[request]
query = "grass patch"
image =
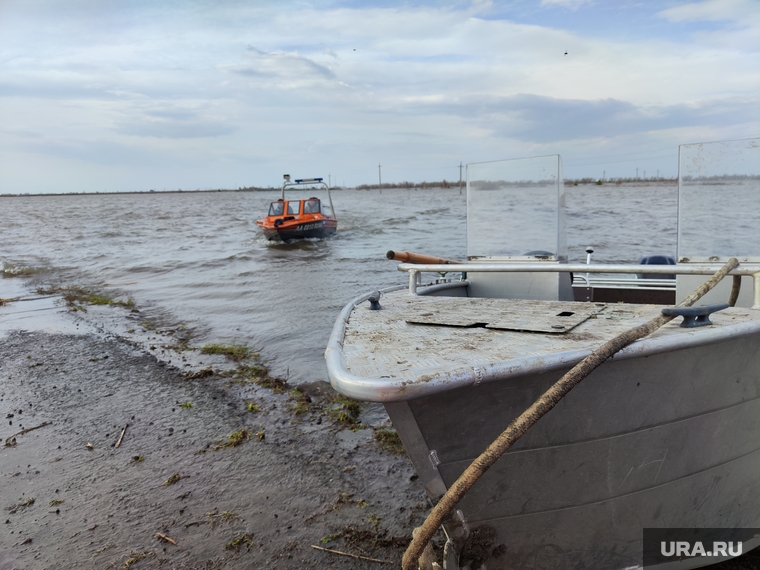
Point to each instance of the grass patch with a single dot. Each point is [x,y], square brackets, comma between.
[205,373]
[234,352]
[186,405]
[13,509]
[259,375]
[174,478]
[135,558]
[77,297]
[235,439]
[56,502]
[359,538]
[240,541]
[252,407]
[330,537]
[389,440]
[225,516]
[345,412]
[300,402]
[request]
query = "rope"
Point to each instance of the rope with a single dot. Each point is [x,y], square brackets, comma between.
[529,417]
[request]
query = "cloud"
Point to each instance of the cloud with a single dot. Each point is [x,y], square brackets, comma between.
[174,129]
[540,119]
[285,70]
[350,83]
[713,10]
[571,4]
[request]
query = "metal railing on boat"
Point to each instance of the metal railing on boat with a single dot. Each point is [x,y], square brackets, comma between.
[581,271]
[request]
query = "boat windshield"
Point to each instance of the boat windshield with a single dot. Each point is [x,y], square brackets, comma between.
[294,207]
[276,208]
[718,193]
[516,207]
[311,206]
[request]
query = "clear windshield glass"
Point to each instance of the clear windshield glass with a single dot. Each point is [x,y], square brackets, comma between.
[276,208]
[718,198]
[311,206]
[516,208]
[293,208]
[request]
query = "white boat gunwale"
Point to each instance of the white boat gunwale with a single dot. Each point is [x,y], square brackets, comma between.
[421,384]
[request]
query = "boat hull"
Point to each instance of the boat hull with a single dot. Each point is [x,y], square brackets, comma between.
[306,230]
[669,440]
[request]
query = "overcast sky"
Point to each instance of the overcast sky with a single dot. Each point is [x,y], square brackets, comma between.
[100,95]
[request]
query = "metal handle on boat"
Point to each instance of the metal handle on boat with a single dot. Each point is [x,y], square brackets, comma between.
[411,257]
[374,301]
[694,316]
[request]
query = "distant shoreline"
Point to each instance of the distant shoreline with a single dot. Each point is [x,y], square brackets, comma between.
[443,185]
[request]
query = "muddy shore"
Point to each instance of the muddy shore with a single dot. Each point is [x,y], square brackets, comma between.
[177,493]
[212,470]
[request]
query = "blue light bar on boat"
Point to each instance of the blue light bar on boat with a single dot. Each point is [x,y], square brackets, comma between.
[303,180]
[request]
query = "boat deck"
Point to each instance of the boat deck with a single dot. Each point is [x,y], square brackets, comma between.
[416,340]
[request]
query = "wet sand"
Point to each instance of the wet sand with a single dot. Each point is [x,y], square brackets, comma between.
[70,498]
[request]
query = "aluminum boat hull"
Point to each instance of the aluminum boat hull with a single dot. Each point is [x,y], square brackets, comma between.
[664,435]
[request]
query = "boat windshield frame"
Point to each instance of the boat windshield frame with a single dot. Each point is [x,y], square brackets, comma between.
[309,182]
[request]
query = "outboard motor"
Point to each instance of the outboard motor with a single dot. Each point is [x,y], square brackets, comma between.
[656,260]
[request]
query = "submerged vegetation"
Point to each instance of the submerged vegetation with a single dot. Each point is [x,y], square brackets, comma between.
[234,352]
[259,375]
[77,297]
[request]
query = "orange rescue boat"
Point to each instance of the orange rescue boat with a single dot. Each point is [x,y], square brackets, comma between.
[290,220]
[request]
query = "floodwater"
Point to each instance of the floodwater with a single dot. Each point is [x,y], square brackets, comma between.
[198,258]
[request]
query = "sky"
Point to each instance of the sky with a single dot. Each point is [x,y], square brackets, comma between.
[102,96]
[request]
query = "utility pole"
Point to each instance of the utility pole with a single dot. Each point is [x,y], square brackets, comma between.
[460,176]
[379,175]
[604,175]
[637,173]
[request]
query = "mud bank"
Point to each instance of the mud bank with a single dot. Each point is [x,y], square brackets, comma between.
[172,495]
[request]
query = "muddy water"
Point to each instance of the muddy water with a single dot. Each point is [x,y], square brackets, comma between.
[198,260]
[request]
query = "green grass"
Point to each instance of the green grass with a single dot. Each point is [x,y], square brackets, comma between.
[76,297]
[234,352]
[240,541]
[173,478]
[235,439]
[389,440]
[257,374]
[345,411]
[300,403]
